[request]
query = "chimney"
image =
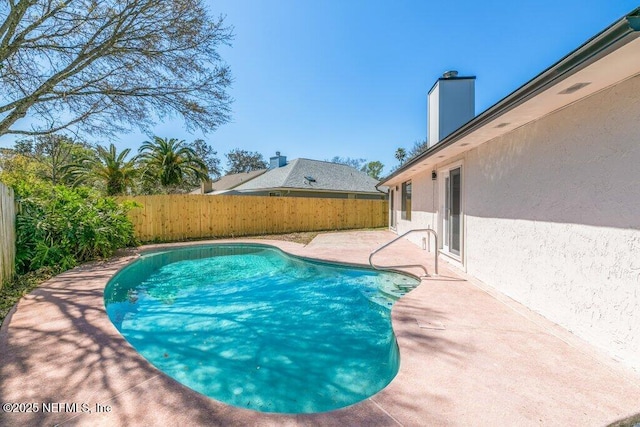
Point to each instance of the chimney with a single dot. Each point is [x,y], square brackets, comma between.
[451,103]
[206,186]
[277,161]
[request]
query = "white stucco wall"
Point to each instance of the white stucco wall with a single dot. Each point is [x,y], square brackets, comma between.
[423,209]
[553,217]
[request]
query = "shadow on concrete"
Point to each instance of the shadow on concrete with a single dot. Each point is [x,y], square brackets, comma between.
[419,350]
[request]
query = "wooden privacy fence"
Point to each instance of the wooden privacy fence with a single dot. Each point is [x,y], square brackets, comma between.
[7,233]
[179,217]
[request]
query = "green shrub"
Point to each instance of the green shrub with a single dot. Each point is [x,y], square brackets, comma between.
[60,227]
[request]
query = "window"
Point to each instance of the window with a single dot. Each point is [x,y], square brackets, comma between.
[406,200]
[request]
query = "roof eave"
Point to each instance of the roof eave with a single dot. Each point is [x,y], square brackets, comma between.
[612,38]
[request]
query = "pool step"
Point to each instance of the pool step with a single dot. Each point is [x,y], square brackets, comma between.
[391,294]
[395,290]
[388,293]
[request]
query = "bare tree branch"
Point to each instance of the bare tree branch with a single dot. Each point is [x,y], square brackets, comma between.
[103,66]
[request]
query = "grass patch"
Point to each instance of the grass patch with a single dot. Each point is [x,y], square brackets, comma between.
[12,291]
[298,237]
[303,238]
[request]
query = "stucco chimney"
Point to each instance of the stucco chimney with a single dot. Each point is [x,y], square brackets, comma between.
[450,104]
[277,161]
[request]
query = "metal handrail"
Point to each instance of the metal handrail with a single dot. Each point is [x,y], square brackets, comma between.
[430,230]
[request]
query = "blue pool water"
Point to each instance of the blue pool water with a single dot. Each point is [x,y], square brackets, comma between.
[255,328]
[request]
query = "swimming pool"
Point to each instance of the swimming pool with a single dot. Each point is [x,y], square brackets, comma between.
[253,327]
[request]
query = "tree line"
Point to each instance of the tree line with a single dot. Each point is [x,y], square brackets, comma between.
[160,165]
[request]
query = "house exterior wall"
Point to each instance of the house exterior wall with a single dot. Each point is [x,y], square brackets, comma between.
[552,217]
[423,207]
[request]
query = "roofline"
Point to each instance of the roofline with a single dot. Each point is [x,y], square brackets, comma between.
[326,161]
[256,173]
[610,39]
[313,190]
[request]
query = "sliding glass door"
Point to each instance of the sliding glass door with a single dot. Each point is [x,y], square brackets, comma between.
[455,211]
[452,210]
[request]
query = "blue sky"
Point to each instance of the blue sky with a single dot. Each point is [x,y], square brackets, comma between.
[349,78]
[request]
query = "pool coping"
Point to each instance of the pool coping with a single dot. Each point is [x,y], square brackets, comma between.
[58,345]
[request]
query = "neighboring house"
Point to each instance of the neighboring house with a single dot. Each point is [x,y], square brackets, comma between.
[539,195]
[311,178]
[227,182]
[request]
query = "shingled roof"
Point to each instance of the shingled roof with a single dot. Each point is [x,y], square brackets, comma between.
[306,174]
[228,182]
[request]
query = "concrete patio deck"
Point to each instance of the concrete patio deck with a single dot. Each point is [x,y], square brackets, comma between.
[469,356]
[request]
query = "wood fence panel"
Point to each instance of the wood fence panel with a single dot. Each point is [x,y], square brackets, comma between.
[180,217]
[7,233]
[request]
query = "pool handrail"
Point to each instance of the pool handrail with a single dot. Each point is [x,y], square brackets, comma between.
[428,230]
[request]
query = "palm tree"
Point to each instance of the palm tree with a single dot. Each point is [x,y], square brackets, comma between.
[171,163]
[108,169]
[401,155]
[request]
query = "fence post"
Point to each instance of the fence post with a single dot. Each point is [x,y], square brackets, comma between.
[7,233]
